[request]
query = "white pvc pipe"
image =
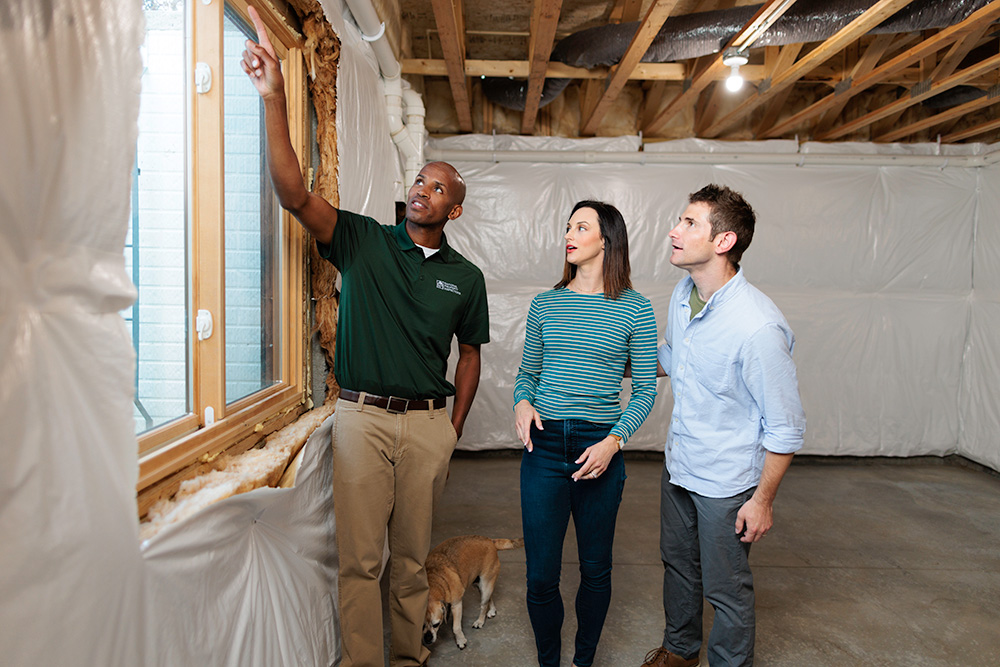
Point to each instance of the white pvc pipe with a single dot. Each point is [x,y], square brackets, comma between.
[641,157]
[374,32]
[400,99]
[404,135]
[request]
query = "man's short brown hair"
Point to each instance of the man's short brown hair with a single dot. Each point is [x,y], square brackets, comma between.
[730,213]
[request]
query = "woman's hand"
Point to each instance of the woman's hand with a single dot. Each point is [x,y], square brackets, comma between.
[524,414]
[595,459]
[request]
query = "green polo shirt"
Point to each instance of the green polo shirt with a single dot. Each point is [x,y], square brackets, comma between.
[398,311]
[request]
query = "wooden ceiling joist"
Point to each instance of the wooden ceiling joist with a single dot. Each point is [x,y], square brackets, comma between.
[715,69]
[873,16]
[520,69]
[944,116]
[957,53]
[914,97]
[451,30]
[786,58]
[968,133]
[979,18]
[544,19]
[625,11]
[866,63]
[620,73]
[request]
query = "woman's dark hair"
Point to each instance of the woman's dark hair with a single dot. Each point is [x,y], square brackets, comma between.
[616,269]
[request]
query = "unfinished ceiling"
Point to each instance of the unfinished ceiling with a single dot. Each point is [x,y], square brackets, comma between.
[832,70]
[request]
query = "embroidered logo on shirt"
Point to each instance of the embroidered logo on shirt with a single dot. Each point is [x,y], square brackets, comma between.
[448,287]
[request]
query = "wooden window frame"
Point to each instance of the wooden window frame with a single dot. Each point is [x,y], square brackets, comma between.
[188,440]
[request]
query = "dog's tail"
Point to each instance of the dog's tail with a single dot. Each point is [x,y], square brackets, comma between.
[508,544]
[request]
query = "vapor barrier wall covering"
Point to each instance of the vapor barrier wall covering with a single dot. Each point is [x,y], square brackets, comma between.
[872,266]
[248,581]
[69,72]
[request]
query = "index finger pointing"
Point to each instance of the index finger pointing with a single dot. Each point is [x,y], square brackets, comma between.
[262,37]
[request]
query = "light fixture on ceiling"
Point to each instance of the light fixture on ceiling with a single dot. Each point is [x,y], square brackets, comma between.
[734,59]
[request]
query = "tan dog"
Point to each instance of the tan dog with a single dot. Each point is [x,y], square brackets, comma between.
[451,567]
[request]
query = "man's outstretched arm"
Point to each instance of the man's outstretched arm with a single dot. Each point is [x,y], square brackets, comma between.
[260,63]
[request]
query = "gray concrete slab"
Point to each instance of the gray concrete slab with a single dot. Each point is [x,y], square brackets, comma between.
[873,564]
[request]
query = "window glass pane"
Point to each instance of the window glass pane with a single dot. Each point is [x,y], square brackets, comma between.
[251,235]
[155,250]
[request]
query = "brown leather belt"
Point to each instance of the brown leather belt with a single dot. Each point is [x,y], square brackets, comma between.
[392,404]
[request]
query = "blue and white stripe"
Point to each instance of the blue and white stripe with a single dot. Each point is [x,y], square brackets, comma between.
[576,347]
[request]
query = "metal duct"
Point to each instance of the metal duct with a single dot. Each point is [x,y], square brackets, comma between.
[704,33]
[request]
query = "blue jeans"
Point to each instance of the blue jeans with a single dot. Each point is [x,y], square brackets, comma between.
[704,558]
[548,497]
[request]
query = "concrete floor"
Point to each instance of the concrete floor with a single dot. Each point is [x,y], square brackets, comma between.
[868,564]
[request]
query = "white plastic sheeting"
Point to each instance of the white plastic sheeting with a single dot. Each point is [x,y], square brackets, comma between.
[71,575]
[370,173]
[981,379]
[250,580]
[872,266]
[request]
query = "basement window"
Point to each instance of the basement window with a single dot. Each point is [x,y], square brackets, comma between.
[206,236]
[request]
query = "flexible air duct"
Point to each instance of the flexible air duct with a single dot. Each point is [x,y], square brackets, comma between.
[704,33]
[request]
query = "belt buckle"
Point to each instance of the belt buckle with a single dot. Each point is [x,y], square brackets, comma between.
[398,401]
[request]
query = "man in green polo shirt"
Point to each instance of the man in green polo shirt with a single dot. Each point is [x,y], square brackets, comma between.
[405,294]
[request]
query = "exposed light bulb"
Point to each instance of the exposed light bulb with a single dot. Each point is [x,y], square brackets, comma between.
[735,81]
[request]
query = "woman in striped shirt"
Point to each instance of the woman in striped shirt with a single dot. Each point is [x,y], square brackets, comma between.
[579,338]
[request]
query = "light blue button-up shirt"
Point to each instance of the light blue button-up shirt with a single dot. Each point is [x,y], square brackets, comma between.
[736,395]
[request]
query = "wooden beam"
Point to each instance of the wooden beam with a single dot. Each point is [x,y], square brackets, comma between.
[631,10]
[873,16]
[956,54]
[954,112]
[708,105]
[653,99]
[590,93]
[945,128]
[714,70]
[881,74]
[774,109]
[866,63]
[519,69]
[909,100]
[786,58]
[760,23]
[625,11]
[619,75]
[447,16]
[544,19]
[988,126]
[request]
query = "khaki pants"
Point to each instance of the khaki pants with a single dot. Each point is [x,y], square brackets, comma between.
[388,471]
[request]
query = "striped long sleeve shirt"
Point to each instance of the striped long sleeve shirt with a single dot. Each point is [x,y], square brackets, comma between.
[576,347]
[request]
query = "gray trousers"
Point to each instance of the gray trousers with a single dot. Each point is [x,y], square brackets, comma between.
[703,558]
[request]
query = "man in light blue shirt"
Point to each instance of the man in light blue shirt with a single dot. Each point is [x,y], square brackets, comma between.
[736,424]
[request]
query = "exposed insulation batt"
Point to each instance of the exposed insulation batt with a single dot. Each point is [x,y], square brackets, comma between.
[252,469]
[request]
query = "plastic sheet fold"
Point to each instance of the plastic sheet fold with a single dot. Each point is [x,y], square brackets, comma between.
[69,72]
[248,582]
[980,417]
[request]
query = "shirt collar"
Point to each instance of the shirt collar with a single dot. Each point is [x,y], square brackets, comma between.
[724,293]
[406,243]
